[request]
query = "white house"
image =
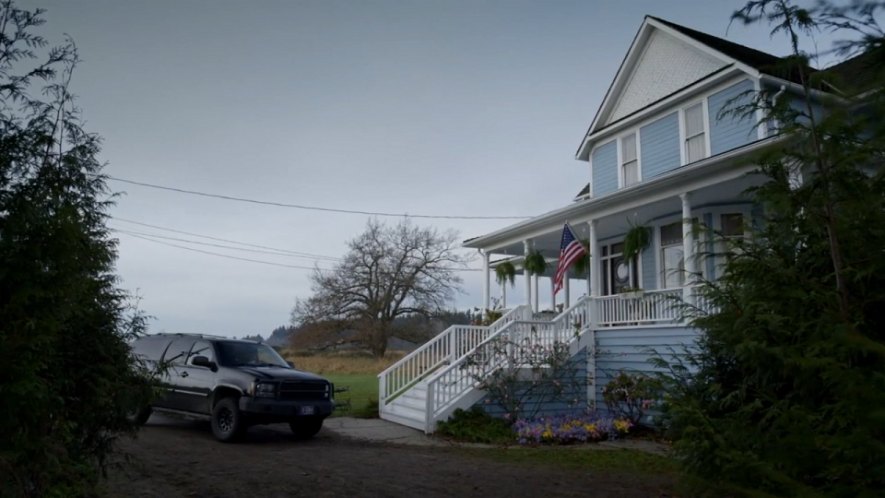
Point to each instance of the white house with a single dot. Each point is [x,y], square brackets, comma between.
[661,153]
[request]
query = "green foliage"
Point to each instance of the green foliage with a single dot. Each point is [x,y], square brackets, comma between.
[787,396]
[534,263]
[505,272]
[520,374]
[628,396]
[476,426]
[68,379]
[635,240]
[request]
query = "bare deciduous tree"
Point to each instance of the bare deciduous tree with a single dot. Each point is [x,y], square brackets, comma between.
[389,271]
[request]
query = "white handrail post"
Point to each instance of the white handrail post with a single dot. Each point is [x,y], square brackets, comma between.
[382,389]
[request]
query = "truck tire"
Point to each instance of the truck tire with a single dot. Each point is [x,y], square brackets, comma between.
[227,421]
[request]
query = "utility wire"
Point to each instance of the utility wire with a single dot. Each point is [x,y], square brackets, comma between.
[222,246]
[224,255]
[294,253]
[313,208]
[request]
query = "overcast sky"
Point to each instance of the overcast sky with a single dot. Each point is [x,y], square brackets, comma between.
[455,108]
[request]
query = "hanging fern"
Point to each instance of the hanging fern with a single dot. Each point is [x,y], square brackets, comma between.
[636,239]
[505,272]
[535,263]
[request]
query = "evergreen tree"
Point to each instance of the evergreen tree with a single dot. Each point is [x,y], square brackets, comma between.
[67,382]
[787,396]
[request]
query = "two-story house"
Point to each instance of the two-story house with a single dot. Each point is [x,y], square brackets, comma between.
[662,153]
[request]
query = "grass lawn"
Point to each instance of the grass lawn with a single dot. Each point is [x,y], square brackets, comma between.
[362,393]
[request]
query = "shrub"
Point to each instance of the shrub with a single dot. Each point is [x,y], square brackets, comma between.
[476,426]
[628,396]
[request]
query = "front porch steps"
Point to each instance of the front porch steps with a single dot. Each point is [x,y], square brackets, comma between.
[409,408]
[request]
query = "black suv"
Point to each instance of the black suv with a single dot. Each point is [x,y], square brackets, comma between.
[233,384]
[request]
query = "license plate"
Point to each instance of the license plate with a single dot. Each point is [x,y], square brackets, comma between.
[306,410]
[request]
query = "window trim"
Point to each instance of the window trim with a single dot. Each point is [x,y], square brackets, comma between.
[622,179]
[683,138]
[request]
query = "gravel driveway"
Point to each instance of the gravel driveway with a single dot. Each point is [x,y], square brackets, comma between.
[172,458]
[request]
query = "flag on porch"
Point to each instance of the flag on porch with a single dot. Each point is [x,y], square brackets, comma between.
[570,249]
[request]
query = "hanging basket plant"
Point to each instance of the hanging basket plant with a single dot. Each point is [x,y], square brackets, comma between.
[505,272]
[534,263]
[636,239]
[581,266]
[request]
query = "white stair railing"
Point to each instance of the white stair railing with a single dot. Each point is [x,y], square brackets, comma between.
[457,379]
[448,346]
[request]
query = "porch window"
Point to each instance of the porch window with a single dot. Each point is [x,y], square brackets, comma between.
[618,274]
[629,161]
[731,228]
[695,135]
[672,256]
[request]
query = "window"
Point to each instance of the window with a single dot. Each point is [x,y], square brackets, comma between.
[629,161]
[201,348]
[695,136]
[731,227]
[178,350]
[618,274]
[672,256]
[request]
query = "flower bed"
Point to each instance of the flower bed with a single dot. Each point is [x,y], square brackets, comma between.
[569,429]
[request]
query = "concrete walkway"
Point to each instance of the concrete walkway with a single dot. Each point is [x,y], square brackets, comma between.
[382,431]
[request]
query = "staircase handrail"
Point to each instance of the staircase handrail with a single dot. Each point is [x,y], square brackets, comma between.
[438,399]
[445,347]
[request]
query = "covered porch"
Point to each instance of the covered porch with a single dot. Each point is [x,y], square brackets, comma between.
[687,216]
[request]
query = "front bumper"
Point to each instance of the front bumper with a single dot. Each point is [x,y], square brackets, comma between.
[273,409]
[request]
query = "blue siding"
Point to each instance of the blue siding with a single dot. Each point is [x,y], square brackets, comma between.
[649,272]
[574,399]
[730,131]
[659,145]
[629,350]
[605,168]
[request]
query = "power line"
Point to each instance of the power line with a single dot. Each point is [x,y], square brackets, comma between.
[288,251]
[222,246]
[224,255]
[313,208]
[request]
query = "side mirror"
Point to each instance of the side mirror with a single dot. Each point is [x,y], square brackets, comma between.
[291,365]
[202,361]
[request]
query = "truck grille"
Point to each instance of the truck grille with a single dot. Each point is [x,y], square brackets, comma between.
[304,390]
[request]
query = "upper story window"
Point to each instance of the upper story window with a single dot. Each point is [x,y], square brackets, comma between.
[695,133]
[629,161]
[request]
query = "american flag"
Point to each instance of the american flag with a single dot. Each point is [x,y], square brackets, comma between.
[570,250]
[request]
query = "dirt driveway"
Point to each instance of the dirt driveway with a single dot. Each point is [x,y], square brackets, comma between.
[172,458]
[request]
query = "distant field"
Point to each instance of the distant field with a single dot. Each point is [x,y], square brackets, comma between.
[357,372]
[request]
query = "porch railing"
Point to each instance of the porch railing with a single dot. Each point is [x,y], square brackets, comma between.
[640,308]
[448,346]
[455,380]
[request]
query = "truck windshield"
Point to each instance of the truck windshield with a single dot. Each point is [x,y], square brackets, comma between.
[236,354]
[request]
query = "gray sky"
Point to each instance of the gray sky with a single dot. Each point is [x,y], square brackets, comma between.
[447,108]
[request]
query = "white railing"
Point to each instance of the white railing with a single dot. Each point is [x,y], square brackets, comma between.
[640,308]
[455,380]
[448,346]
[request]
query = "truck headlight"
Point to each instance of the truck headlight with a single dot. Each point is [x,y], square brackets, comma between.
[265,390]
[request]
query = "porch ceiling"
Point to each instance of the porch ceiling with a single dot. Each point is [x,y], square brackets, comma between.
[617,223]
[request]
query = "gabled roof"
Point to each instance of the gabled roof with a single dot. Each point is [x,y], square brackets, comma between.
[729,58]
[757,59]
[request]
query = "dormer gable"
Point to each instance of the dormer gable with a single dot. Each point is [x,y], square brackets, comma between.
[664,60]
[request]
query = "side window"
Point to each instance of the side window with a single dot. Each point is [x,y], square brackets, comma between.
[629,160]
[731,227]
[201,348]
[695,133]
[150,348]
[177,352]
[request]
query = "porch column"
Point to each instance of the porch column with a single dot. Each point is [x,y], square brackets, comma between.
[526,245]
[565,287]
[486,284]
[536,294]
[593,281]
[687,246]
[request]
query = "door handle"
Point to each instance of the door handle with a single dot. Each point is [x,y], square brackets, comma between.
[183,374]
